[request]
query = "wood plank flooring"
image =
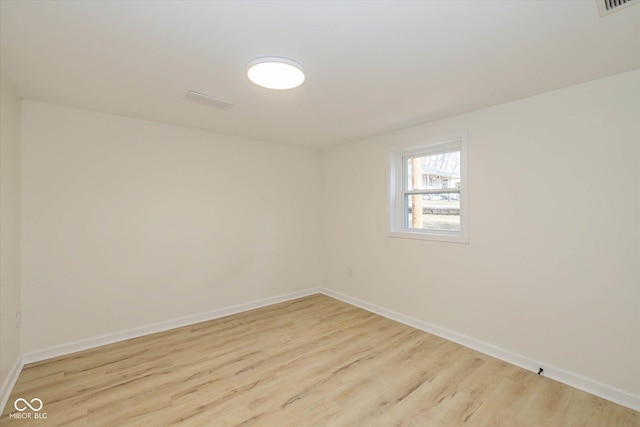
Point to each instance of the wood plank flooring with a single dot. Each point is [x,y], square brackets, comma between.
[314,361]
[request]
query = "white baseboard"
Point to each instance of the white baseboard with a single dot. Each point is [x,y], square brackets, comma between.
[10,382]
[73,347]
[580,382]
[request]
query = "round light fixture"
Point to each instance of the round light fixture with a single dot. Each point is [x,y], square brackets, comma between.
[274,72]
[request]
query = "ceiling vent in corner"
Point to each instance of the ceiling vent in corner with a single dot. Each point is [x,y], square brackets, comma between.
[607,7]
[200,98]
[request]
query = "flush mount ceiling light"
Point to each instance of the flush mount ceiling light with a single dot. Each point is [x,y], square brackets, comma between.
[274,72]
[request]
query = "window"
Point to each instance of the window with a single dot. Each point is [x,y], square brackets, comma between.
[429,194]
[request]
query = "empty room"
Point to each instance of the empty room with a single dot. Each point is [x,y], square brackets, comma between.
[320,213]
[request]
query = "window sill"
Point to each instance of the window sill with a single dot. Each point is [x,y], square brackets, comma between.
[438,237]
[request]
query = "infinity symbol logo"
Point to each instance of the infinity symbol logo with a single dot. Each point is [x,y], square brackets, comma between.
[34,408]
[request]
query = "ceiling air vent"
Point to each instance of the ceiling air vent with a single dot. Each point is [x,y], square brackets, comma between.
[200,98]
[609,6]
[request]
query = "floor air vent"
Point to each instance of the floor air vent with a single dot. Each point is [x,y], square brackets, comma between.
[609,6]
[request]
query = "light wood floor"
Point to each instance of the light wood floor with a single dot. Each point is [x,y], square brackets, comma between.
[314,361]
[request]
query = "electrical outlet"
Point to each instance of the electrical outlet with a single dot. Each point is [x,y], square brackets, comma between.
[18,319]
[350,272]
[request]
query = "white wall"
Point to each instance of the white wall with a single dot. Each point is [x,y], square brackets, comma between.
[9,227]
[551,271]
[127,223]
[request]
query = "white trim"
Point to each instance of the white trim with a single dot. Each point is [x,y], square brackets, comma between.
[395,203]
[440,236]
[10,382]
[580,382]
[73,347]
[445,140]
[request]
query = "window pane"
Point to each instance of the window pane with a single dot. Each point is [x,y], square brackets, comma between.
[437,212]
[433,172]
[428,197]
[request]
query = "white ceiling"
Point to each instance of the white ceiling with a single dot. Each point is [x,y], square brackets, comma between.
[371,67]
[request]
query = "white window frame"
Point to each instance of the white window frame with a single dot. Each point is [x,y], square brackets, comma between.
[396,220]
